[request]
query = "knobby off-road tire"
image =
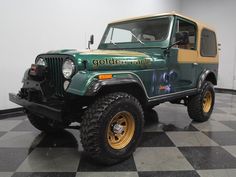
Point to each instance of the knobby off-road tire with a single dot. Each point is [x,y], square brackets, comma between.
[111,128]
[43,124]
[201,105]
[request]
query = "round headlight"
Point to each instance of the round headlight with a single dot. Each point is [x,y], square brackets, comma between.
[41,62]
[68,68]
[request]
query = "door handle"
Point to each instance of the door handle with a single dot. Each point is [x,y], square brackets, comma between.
[195,64]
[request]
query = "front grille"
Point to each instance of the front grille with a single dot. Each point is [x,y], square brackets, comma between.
[56,78]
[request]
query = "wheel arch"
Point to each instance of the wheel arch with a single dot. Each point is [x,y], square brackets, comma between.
[130,86]
[207,75]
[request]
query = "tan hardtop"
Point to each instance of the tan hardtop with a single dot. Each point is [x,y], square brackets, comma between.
[199,24]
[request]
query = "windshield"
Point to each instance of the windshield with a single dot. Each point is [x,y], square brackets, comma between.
[140,32]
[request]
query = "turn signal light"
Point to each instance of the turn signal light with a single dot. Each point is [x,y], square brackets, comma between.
[105,76]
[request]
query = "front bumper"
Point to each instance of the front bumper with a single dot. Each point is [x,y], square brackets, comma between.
[37,108]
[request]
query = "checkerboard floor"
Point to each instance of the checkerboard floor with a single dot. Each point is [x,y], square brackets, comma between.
[172,147]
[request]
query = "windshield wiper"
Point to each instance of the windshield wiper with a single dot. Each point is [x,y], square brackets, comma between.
[137,38]
[114,44]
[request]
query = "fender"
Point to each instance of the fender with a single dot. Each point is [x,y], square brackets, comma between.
[203,77]
[86,83]
[95,86]
[26,75]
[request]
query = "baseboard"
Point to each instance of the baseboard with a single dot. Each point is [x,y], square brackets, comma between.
[6,111]
[19,111]
[14,112]
[227,91]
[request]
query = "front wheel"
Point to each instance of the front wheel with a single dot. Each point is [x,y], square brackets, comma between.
[111,128]
[201,105]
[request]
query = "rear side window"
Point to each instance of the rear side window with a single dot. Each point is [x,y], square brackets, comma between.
[208,43]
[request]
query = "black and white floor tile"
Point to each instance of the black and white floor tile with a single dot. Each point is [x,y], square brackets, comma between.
[172,147]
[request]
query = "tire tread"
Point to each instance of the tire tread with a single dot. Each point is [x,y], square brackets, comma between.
[194,107]
[91,123]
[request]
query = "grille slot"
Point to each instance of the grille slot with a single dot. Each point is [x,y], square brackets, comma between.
[56,78]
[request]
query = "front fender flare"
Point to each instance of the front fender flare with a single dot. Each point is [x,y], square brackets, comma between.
[88,84]
[95,86]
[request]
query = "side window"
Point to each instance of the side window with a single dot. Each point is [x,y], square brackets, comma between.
[208,43]
[190,28]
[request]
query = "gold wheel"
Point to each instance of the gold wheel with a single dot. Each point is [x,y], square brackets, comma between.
[120,130]
[207,102]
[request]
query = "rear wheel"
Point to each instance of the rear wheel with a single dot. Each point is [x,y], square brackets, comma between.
[201,105]
[44,124]
[111,128]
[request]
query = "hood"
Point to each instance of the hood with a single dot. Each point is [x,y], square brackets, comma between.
[97,52]
[109,59]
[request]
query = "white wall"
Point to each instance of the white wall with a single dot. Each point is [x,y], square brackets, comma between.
[221,15]
[234,70]
[30,27]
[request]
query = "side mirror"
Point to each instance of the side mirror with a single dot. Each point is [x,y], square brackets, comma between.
[182,38]
[91,41]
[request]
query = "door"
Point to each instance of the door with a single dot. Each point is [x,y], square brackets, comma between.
[185,66]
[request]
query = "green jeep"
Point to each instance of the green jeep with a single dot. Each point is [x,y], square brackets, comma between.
[140,63]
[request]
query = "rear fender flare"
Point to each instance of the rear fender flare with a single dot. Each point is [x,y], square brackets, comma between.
[203,77]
